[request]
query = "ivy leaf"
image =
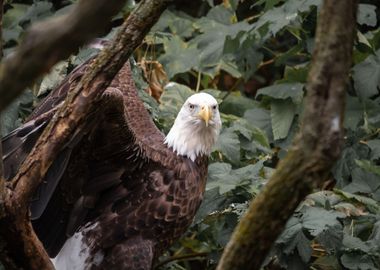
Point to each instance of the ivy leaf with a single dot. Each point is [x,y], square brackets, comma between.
[283,91]
[268,3]
[179,57]
[211,202]
[355,243]
[211,43]
[354,261]
[55,76]
[374,145]
[367,15]
[282,115]
[237,104]
[250,132]
[316,220]
[364,182]
[229,145]
[13,115]
[37,11]
[176,23]
[279,17]
[260,118]
[174,96]
[221,14]
[222,176]
[368,166]
[353,112]
[366,76]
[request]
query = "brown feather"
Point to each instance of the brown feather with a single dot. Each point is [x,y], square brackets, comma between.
[120,176]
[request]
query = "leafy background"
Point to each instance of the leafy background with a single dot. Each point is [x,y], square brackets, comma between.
[253,56]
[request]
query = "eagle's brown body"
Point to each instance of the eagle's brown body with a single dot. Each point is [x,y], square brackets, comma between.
[115,182]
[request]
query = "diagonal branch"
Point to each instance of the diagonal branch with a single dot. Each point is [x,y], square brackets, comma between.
[315,149]
[80,101]
[48,42]
[23,249]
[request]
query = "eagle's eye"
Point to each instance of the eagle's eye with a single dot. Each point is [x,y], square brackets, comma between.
[214,107]
[191,106]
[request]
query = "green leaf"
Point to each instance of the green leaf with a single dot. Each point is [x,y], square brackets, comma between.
[279,17]
[250,132]
[364,182]
[237,104]
[316,220]
[347,163]
[13,115]
[268,3]
[222,176]
[355,243]
[55,76]
[368,166]
[331,238]
[229,145]
[355,261]
[370,204]
[211,202]
[353,112]
[13,16]
[282,115]
[374,145]
[260,118]
[37,11]
[367,15]
[211,43]
[179,57]
[221,14]
[366,76]
[295,74]
[175,23]
[294,91]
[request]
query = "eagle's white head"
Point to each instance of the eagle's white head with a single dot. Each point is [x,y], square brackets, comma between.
[196,127]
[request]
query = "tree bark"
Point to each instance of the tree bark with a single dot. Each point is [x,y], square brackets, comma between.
[315,149]
[23,249]
[48,42]
[2,180]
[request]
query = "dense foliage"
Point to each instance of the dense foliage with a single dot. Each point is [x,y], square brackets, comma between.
[253,56]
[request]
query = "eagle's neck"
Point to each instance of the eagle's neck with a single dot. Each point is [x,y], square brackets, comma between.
[191,139]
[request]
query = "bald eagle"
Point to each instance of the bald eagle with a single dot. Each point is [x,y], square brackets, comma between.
[119,192]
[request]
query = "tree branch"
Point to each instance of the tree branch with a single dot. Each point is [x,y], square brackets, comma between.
[190,256]
[48,42]
[78,104]
[315,149]
[22,246]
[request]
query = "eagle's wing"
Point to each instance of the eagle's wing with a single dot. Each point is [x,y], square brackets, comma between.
[18,144]
[95,170]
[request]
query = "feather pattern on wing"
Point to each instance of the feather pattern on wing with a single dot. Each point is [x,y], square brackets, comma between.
[117,185]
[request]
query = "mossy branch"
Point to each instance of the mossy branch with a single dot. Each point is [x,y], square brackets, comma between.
[315,149]
[48,42]
[23,248]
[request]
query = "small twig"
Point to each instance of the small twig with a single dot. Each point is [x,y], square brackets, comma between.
[185,257]
[198,81]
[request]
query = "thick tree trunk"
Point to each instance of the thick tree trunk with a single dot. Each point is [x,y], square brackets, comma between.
[314,150]
[19,246]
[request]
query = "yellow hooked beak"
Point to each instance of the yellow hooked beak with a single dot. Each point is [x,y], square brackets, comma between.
[205,114]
